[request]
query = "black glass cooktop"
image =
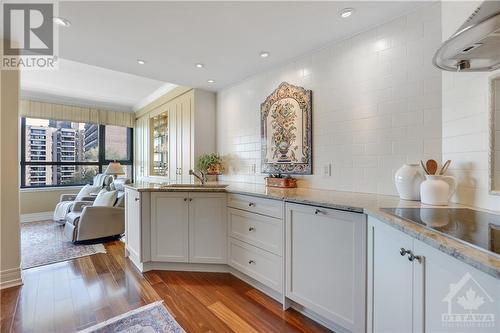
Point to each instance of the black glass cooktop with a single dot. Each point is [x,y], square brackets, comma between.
[478,228]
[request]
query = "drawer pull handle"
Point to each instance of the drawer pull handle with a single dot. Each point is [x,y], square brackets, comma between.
[251,229]
[251,204]
[318,211]
[251,262]
[404,251]
[137,199]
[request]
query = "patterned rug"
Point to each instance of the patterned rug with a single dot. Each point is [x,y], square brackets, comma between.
[151,318]
[42,243]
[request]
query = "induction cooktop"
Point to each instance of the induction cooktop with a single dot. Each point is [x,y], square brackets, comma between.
[481,229]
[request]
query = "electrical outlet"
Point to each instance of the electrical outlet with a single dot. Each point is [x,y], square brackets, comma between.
[327,170]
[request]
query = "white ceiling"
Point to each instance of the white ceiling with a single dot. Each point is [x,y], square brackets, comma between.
[81,84]
[226,36]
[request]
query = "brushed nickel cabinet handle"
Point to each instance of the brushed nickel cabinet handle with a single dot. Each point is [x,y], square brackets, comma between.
[413,257]
[251,229]
[137,199]
[185,199]
[251,204]
[403,251]
[190,199]
[251,262]
[318,211]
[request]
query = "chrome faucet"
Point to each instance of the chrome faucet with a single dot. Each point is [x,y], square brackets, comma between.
[201,177]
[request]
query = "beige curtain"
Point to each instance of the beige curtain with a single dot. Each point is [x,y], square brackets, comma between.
[43,110]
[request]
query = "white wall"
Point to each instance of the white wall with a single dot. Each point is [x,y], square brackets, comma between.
[466,120]
[376,105]
[10,249]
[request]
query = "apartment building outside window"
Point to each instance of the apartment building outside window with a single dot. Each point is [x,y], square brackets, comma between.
[63,153]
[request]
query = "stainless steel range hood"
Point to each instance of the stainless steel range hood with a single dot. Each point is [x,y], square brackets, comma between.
[475,47]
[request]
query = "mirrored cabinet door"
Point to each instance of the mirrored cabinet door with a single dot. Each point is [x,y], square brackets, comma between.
[160,135]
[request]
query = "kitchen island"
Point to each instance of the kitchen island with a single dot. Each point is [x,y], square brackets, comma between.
[332,255]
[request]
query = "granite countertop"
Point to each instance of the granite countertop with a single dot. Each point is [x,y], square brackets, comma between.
[369,204]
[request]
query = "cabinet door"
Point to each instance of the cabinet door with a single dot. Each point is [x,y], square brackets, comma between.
[169,227]
[207,228]
[447,290]
[390,279]
[133,223]
[326,263]
[184,139]
[173,149]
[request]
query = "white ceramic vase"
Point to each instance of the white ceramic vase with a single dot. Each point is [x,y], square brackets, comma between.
[437,190]
[408,179]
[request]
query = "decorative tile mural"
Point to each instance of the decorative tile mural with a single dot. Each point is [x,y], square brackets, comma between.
[286,131]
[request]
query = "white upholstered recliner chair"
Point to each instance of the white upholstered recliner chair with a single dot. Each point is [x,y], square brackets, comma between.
[88,221]
[66,201]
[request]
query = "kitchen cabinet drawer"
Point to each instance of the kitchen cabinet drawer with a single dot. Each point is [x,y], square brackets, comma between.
[262,231]
[261,265]
[269,207]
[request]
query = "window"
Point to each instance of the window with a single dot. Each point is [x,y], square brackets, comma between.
[62,153]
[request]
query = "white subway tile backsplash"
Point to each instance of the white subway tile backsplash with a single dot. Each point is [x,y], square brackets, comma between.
[376,106]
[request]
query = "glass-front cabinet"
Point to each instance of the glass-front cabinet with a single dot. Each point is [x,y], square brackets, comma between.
[159,126]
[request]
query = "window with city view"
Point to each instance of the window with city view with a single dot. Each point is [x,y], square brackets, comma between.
[62,153]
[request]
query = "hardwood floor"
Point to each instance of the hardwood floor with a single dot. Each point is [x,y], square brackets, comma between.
[72,295]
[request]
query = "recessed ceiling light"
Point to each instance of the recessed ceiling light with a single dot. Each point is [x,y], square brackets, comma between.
[264,54]
[211,81]
[141,62]
[346,12]
[199,65]
[61,21]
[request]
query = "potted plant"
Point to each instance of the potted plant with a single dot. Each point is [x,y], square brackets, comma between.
[279,180]
[211,164]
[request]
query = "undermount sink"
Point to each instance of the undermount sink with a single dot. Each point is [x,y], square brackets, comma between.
[216,186]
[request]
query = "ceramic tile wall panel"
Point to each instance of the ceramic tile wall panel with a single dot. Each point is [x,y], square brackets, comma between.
[466,120]
[376,105]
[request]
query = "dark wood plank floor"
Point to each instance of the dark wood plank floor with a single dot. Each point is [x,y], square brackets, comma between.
[72,295]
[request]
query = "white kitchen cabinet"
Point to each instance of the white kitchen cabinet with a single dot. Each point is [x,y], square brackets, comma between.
[427,293]
[390,280]
[190,133]
[141,147]
[326,263]
[169,226]
[207,228]
[188,227]
[132,222]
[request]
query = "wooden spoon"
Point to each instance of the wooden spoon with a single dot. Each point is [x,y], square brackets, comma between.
[444,168]
[431,166]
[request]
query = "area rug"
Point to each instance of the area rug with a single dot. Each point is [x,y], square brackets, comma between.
[42,243]
[151,318]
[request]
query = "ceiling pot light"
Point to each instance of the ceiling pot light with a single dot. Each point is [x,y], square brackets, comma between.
[264,54]
[61,21]
[211,81]
[199,65]
[141,62]
[346,12]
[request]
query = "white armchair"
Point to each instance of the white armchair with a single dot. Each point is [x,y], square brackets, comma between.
[86,222]
[66,201]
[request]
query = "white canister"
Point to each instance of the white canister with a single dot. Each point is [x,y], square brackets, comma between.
[437,190]
[408,179]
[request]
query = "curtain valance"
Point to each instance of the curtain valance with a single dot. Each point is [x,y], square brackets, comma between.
[81,114]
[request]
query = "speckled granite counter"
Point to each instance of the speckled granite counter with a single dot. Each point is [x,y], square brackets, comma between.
[369,204]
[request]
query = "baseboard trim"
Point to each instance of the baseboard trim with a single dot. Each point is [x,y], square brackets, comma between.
[34,217]
[11,278]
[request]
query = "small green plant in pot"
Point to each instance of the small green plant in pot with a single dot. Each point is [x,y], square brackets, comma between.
[211,164]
